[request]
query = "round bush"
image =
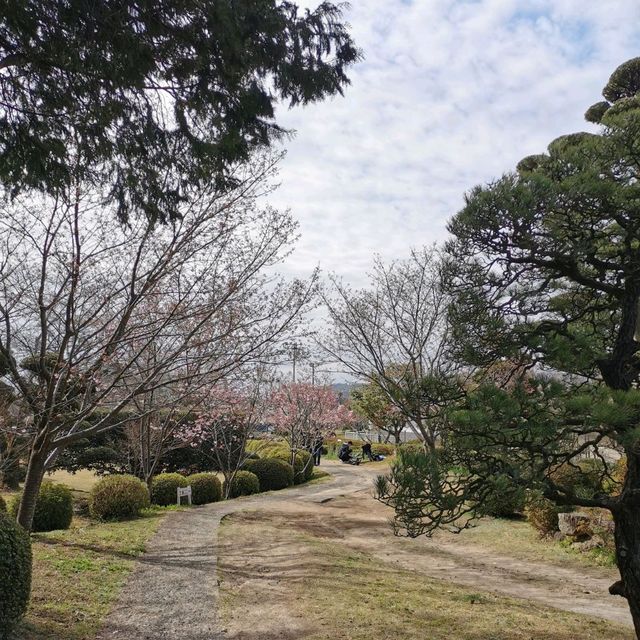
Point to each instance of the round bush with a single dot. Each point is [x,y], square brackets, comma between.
[3,505]
[205,488]
[54,507]
[164,488]
[118,497]
[307,464]
[272,473]
[302,466]
[504,499]
[15,572]
[541,514]
[244,483]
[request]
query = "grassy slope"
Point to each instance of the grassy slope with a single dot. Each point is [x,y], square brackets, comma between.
[519,539]
[349,595]
[78,574]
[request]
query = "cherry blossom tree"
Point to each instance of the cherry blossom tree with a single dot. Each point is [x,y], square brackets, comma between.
[228,418]
[302,412]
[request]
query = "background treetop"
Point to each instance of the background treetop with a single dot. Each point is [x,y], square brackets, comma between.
[155,96]
[547,258]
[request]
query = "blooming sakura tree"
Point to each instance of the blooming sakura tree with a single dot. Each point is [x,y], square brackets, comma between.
[228,417]
[302,412]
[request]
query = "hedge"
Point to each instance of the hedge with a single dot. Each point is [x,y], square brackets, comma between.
[273,473]
[118,497]
[244,483]
[15,573]
[205,488]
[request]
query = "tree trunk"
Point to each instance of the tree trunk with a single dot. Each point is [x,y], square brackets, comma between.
[626,517]
[32,482]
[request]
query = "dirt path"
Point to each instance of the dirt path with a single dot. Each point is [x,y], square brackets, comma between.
[172,593]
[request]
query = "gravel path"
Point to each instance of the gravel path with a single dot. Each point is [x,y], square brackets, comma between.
[171,594]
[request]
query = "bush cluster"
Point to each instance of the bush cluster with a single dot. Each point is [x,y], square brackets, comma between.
[3,505]
[54,507]
[504,499]
[244,483]
[164,488]
[302,466]
[541,513]
[205,488]
[273,473]
[118,497]
[15,573]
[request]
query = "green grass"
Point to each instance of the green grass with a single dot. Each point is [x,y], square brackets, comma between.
[519,539]
[78,574]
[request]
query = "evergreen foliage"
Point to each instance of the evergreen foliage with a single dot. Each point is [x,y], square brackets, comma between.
[155,96]
[15,573]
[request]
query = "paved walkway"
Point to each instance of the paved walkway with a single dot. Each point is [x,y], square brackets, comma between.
[172,592]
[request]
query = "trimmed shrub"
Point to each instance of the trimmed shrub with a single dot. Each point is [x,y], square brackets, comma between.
[541,513]
[54,507]
[244,483]
[3,505]
[205,488]
[383,449]
[118,497]
[505,498]
[15,572]
[307,464]
[302,467]
[164,488]
[272,473]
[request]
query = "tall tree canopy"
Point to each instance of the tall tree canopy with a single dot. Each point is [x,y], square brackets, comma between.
[548,257]
[544,274]
[547,270]
[155,95]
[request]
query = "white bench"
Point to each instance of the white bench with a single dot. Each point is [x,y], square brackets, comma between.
[184,492]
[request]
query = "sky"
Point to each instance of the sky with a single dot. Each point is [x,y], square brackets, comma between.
[450,94]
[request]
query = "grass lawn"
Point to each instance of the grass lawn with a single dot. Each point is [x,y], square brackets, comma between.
[78,573]
[277,578]
[519,539]
[82,480]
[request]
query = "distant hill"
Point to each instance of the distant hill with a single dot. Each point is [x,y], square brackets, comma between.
[344,389]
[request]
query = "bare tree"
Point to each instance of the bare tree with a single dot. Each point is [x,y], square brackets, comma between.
[98,316]
[393,334]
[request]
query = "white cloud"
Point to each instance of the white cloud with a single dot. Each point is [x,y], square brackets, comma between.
[451,94]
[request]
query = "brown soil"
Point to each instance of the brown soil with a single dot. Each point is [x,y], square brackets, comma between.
[178,572]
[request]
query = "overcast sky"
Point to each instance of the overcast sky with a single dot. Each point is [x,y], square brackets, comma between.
[450,94]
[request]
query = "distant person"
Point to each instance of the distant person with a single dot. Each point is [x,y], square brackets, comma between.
[346,453]
[367,452]
[317,450]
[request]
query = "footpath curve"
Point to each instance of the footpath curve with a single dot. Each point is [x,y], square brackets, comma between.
[172,592]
